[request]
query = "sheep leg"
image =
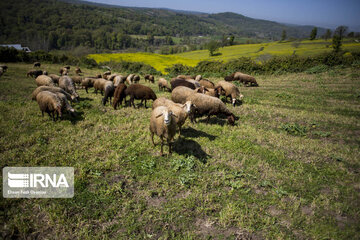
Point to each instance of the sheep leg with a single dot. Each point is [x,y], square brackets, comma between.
[169,143]
[145,104]
[102,93]
[152,138]
[42,113]
[86,89]
[208,118]
[132,101]
[162,144]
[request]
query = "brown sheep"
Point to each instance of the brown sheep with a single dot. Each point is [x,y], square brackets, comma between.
[34,73]
[55,78]
[231,91]
[106,87]
[119,79]
[182,82]
[66,83]
[163,84]
[198,77]
[186,77]
[37,64]
[106,75]
[50,89]
[78,71]
[180,94]
[129,78]
[162,123]
[196,83]
[119,95]
[77,79]
[50,103]
[111,77]
[217,92]
[44,80]
[150,78]
[206,83]
[65,106]
[136,79]
[138,91]
[247,80]
[64,71]
[182,111]
[206,105]
[88,82]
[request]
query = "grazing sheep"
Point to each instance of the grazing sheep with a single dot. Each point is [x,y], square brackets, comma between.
[65,106]
[119,95]
[136,79]
[66,83]
[150,78]
[180,94]
[138,91]
[78,71]
[64,71]
[247,80]
[55,78]
[119,79]
[88,82]
[106,75]
[214,92]
[77,79]
[181,82]
[206,105]
[34,73]
[206,83]
[129,78]
[163,84]
[198,77]
[231,91]
[162,123]
[67,67]
[186,77]
[111,77]
[50,89]
[37,64]
[44,80]
[50,103]
[182,111]
[106,87]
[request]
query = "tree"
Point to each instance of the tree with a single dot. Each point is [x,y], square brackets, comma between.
[283,35]
[341,31]
[351,35]
[313,33]
[327,34]
[336,44]
[212,46]
[231,40]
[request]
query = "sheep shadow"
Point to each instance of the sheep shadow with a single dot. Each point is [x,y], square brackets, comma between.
[193,133]
[214,120]
[188,147]
[75,118]
[85,99]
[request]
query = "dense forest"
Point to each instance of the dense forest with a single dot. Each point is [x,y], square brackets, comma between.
[53,24]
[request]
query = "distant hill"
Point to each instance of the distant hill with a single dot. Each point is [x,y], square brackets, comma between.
[54,24]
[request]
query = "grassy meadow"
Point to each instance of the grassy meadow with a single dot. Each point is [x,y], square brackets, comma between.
[259,52]
[289,168]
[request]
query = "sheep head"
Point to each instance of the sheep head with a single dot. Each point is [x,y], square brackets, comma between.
[188,107]
[167,116]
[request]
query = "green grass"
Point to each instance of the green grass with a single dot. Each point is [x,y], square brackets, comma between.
[259,52]
[289,169]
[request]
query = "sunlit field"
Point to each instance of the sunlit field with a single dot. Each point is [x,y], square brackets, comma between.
[288,169]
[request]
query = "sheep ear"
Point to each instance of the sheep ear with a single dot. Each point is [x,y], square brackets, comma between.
[174,115]
[159,115]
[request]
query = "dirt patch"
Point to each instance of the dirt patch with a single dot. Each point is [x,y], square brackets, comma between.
[307,210]
[156,201]
[182,195]
[274,211]
[326,191]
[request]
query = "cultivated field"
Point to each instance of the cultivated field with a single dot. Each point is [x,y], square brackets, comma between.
[289,168]
[259,52]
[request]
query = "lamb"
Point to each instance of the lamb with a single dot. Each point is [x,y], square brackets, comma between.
[180,94]
[162,123]
[119,79]
[44,80]
[50,103]
[230,91]
[67,84]
[50,89]
[55,78]
[119,95]
[181,82]
[206,83]
[34,73]
[243,78]
[87,83]
[206,105]
[105,87]
[136,79]
[37,64]
[138,91]
[182,111]
[150,78]
[163,84]
[78,71]
[64,71]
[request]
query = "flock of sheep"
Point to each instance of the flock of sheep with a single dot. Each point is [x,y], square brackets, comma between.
[191,96]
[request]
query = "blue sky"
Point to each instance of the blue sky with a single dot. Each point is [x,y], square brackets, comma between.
[323,13]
